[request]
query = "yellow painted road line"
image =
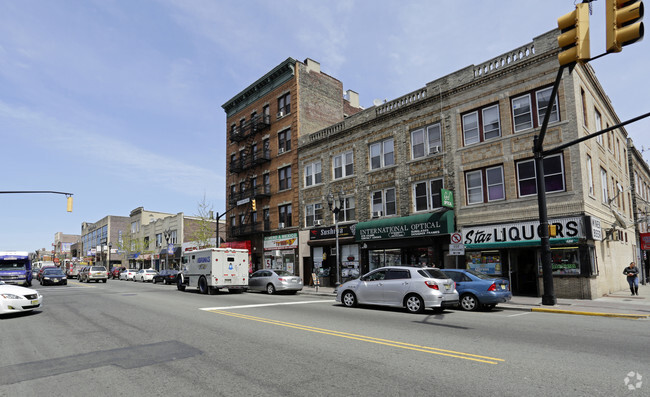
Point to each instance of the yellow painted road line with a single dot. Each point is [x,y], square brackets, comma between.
[369,339]
[620,315]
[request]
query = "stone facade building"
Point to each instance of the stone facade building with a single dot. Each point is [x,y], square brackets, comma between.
[393,168]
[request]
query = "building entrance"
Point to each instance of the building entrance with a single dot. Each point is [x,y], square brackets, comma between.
[523,268]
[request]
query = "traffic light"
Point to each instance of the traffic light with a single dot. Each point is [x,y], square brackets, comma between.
[574,40]
[69,204]
[623,22]
[254,205]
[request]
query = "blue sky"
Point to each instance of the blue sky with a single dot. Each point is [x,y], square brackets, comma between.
[119,102]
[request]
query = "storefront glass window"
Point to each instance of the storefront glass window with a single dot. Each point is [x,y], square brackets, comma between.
[380,258]
[565,260]
[488,262]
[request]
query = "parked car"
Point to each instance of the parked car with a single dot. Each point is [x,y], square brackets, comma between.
[41,270]
[273,281]
[14,299]
[54,276]
[479,290]
[128,274]
[115,272]
[96,273]
[144,275]
[167,276]
[415,288]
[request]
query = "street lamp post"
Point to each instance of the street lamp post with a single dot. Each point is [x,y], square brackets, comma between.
[331,203]
[108,258]
[168,235]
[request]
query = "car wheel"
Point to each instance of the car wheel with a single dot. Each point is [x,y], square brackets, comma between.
[104,280]
[270,289]
[65,283]
[203,286]
[41,282]
[179,284]
[469,302]
[414,304]
[153,281]
[349,299]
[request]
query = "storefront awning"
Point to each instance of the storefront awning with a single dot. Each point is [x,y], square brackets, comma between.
[421,225]
[523,243]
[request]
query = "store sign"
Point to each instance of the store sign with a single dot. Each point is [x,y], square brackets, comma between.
[323,233]
[520,233]
[645,241]
[421,225]
[282,241]
[595,230]
[447,198]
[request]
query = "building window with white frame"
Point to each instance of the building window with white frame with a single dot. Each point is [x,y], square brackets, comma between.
[383,202]
[313,214]
[485,185]
[481,125]
[553,175]
[284,105]
[528,110]
[598,126]
[284,216]
[313,174]
[426,195]
[284,141]
[426,141]
[603,186]
[348,212]
[590,176]
[382,154]
[343,165]
[284,178]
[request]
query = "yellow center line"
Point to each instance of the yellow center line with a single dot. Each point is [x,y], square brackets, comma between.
[369,339]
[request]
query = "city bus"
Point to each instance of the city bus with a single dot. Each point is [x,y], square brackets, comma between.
[16,268]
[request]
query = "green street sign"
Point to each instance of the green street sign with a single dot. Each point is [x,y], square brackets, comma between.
[447,198]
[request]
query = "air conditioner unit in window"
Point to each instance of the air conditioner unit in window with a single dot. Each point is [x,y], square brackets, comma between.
[318,222]
[281,225]
[281,150]
[377,214]
[434,149]
[281,113]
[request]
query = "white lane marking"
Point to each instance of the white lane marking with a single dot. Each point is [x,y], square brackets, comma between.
[263,305]
[519,314]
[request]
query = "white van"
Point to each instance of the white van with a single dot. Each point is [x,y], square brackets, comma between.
[211,269]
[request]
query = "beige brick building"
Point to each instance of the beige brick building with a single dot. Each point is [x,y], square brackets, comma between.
[471,133]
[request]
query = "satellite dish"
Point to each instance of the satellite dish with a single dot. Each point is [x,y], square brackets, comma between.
[377,102]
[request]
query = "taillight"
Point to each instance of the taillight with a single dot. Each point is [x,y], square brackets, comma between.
[493,287]
[280,279]
[432,285]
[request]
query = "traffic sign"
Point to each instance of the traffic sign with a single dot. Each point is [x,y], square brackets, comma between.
[456,238]
[456,249]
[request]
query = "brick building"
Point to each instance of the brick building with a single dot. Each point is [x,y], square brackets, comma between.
[471,133]
[264,123]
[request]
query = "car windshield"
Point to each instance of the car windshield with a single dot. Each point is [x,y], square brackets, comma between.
[52,271]
[282,273]
[151,271]
[432,273]
[98,268]
[480,275]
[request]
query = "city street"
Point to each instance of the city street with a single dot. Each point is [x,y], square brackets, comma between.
[126,338]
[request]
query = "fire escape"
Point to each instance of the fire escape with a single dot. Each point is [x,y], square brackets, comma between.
[254,186]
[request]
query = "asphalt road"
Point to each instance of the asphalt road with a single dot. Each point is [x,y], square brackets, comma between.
[132,339]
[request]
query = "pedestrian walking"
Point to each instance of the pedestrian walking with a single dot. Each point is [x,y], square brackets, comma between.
[632,273]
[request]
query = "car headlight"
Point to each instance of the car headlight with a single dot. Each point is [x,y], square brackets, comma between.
[46,278]
[11,296]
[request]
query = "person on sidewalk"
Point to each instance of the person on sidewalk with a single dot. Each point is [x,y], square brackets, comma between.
[632,273]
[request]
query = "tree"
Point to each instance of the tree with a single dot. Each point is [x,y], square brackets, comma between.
[130,244]
[203,229]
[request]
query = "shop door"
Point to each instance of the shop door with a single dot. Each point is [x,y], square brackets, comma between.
[523,264]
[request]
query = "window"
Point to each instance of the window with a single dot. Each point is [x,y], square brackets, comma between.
[284,176]
[553,175]
[158,239]
[481,125]
[342,165]
[284,141]
[598,126]
[583,99]
[284,104]
[266,113]
[313,174]
[426,195]
[267,183]
[242,188]
[254,151]
[479,191]
[285,214]
[347,213]
[313,213]
[528,110]
[425,141]
[242,219]
[590,176]
[603,185]
[382,154]
[383,202]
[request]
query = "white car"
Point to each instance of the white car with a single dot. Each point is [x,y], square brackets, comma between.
[145,275]
[128,274]
[14,299]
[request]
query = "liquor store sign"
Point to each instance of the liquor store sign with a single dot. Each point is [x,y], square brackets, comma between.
[521,232]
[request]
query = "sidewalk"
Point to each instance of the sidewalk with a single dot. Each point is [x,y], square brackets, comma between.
[618,304]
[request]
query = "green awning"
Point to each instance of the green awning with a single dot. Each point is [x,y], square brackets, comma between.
[523,243]
[421,225]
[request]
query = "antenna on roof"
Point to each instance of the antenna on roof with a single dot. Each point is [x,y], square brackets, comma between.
[377,102]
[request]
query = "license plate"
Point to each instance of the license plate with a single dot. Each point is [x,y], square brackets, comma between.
[227,280]
[56,280]
[34,303]
[447,286]
[503,286]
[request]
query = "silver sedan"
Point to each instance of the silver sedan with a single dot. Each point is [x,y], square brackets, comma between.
[273,281]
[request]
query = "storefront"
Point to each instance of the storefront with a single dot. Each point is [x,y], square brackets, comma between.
[280,252]
[512,251]
[322,242]
[415,240]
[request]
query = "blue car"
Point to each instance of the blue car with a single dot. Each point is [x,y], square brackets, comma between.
[478,290]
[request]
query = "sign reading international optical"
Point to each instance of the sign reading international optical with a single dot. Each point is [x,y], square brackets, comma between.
[569,230]
[421,225]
